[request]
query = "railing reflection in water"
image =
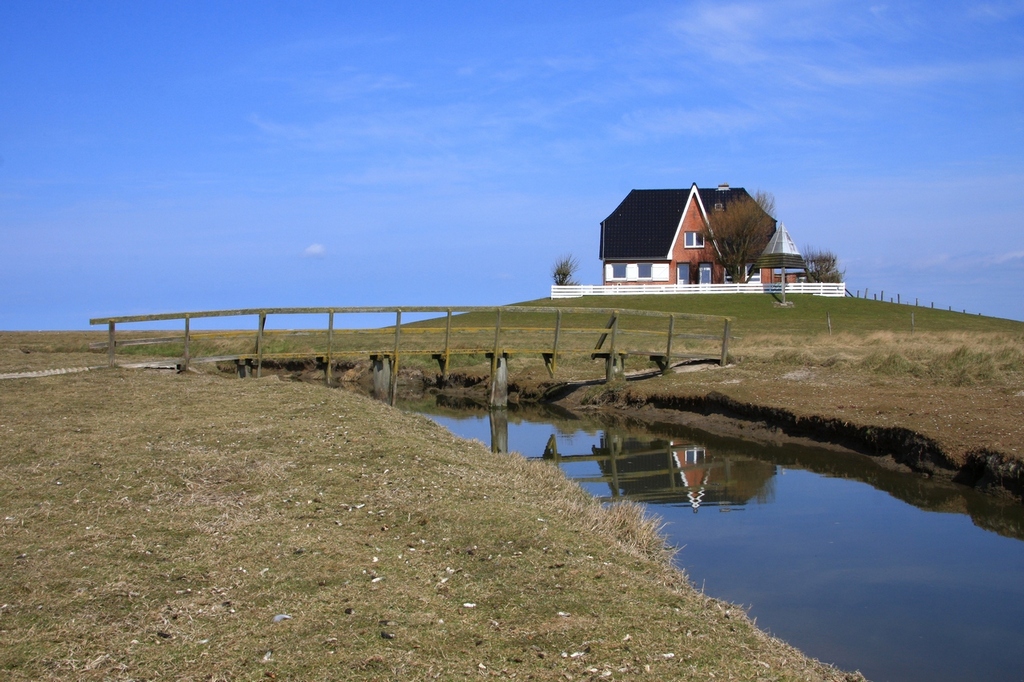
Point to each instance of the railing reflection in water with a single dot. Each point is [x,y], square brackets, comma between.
[658,470]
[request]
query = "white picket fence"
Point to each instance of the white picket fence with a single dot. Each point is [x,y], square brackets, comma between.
[816,288]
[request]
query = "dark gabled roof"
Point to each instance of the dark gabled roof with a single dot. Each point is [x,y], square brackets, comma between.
[711,197]
[644,224]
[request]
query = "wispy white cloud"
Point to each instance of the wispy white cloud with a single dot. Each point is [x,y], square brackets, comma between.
[315,251]
[1007,257]
[837,44]
[998,11]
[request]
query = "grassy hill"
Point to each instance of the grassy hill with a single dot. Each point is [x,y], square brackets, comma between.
[759,315]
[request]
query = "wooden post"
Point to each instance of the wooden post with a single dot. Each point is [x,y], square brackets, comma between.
[613,367]
[668,346]
[393,392]
[725,344]
[259,346]
[330,346]
[828,318]
[381,377]
[554,348]
[615,329]
[111,343]
[187,357]
[498,399]
[911,323]
[497,331]
[613,364]
[447,346]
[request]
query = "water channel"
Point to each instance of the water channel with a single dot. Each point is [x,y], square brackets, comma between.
[867,568]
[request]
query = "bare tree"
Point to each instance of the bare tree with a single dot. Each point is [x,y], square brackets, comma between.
[564,270]
[740,232]
[822,265]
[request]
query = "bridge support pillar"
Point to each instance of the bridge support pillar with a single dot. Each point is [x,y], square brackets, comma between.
[614,366]
[244,368]
[499,381]
[383,388]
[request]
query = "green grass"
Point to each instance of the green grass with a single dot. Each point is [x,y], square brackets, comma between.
[757,314]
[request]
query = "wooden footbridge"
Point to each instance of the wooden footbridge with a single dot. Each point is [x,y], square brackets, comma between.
[495,332]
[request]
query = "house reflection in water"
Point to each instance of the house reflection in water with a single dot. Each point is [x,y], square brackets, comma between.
[660,471]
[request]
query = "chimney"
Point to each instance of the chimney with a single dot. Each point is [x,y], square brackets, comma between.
[724,187]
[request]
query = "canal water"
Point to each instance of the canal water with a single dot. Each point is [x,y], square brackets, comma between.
[884,572]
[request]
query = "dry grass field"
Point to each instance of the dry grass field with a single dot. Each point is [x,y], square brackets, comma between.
[155,525]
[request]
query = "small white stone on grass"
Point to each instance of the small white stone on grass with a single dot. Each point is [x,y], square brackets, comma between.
[281,617]
[469,605]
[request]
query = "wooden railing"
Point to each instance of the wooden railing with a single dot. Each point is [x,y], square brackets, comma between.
[493,331]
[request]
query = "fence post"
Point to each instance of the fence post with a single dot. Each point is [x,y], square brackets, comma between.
[111,343]
[259,346]
[911,323]
[613,368]
[330,345]
[725,344]
[828,318]
[554,346]
[498,399]
[668,346]
[381,377]
[447,345]
[393,388]
[188,354]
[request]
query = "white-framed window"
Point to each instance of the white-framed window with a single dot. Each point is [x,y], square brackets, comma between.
[693,240]
[618,271]
[644,271]
[695,455]
[682,273]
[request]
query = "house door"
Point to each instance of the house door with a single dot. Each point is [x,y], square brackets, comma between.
[682,273]
[705,273]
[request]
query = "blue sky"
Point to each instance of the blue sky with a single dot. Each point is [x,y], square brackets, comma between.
[159,157]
